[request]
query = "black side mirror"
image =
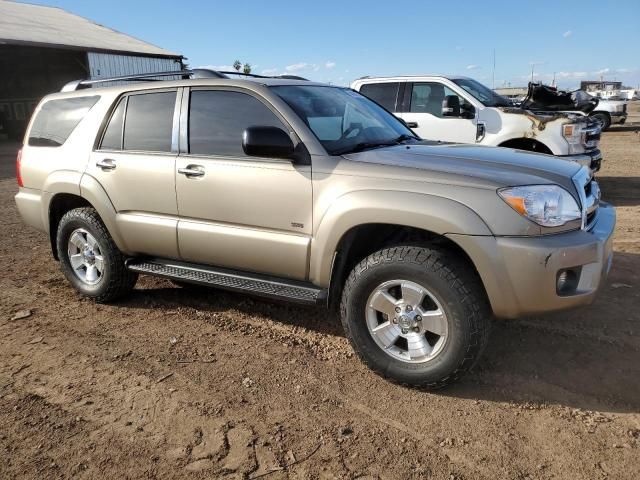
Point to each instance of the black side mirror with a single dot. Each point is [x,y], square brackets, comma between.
[272,142]
[451,106]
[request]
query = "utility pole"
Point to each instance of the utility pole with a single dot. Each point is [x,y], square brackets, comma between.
[493,74]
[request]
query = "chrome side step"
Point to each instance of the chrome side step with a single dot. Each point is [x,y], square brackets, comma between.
[251,283]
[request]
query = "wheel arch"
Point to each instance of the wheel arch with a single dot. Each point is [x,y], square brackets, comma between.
[528,144]
[89,194]
[384,215]
[363,240]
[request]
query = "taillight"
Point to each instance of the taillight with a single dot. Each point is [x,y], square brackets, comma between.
[18,173]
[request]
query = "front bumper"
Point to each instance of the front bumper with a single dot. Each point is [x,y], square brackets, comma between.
[592,159]
[520,273]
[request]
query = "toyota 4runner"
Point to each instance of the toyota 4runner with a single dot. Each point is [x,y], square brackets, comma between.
[313,194]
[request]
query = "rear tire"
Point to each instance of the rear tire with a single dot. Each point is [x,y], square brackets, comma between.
[89,258]
[441,330]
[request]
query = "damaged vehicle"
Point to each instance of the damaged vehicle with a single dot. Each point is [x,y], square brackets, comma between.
[462,110]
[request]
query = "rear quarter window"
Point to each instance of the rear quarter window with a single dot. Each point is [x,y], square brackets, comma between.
[57,119]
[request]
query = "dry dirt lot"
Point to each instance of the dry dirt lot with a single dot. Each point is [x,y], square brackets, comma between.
[177,382]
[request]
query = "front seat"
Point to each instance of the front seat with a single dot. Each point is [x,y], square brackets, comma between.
[434,103]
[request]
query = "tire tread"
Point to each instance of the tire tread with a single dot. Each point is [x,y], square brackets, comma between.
[457,274]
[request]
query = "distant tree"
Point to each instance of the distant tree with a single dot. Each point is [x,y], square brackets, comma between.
[237,65]
[246,68]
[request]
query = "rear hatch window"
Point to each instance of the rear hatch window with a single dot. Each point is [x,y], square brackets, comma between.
[57,119]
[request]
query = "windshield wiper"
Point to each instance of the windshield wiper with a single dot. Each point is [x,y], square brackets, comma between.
[404,137]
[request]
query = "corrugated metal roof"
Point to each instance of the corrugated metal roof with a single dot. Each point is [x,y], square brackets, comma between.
[23,23]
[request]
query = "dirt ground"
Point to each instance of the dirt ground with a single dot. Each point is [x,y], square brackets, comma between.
[174,383]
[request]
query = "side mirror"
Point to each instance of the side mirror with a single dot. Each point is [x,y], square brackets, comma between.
[451,106]
[272,142]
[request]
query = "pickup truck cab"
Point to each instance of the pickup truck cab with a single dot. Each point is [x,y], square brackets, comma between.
[314,194]
[462,110]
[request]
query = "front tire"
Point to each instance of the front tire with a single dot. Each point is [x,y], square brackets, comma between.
[604,119]
[89,258]
[416,315]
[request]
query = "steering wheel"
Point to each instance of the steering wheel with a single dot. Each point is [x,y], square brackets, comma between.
[352,128]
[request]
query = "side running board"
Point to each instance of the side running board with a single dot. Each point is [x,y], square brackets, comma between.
[251,283]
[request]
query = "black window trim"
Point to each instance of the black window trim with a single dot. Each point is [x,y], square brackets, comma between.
[184,125]
[125,96]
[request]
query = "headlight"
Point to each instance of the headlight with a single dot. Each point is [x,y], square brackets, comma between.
[547,205]
[573,135]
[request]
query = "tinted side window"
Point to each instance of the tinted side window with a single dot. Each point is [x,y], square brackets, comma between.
[57,119]
[217,120]
[383,93]
[112,139]
[149,122]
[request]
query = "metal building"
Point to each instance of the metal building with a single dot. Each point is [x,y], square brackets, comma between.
[42,48]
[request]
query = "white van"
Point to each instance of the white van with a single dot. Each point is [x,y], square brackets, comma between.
[462,110]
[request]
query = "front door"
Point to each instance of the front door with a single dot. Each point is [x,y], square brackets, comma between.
[424,114]
[237,211]
[135,165]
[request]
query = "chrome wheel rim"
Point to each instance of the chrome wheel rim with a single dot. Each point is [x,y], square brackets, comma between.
[407,321]
[85,256]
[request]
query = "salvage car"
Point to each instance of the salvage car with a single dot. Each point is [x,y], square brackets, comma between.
[313,194]
[462,110]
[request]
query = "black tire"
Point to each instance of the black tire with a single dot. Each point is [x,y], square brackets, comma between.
[603,118]
[458,290]
[116,280]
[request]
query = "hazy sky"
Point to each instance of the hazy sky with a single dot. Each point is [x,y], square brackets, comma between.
[338,41]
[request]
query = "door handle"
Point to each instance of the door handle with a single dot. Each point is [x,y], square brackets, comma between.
[192,171]
[412,124]
[106,164]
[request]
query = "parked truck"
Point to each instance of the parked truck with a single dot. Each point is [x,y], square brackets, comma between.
[462,110]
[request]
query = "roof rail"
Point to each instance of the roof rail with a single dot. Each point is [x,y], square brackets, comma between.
[152,77]
[253,75]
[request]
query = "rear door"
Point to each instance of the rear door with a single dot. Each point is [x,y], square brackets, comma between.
[422,110]
[135,164]
[236,211]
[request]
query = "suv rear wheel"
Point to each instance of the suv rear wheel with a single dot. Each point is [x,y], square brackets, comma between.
[89,258]
[416,315]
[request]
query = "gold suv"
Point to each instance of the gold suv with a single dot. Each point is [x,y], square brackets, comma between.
[314,194]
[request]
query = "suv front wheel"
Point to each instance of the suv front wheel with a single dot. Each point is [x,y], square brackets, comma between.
[89,258]
[416,315]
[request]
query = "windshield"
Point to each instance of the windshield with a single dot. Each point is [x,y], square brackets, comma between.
[488,97]
[343,120]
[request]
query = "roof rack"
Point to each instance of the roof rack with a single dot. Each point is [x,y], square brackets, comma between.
[195,73]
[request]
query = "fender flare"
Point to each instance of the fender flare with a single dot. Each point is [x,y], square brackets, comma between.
[92,191]
[432,213]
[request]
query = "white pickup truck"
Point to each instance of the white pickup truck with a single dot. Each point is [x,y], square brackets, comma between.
[609,112]
[462,110]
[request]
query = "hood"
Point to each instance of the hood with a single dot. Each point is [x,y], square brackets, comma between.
[544,98]
[491,166]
